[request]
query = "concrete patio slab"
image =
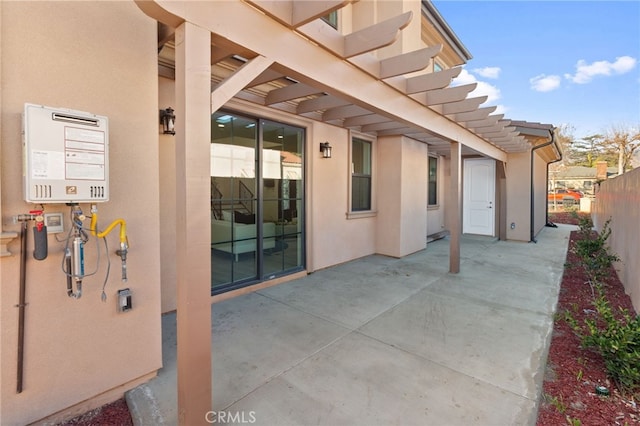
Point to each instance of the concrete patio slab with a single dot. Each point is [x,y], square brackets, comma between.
[362,381]
[383,341]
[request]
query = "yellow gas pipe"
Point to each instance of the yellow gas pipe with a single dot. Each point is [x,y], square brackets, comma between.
[124,245]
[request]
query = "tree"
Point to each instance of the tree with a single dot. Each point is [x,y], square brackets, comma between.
[624,142]
[587,150]
[564,139]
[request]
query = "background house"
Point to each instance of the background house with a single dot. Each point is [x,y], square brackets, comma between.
[241,197]
[580,178]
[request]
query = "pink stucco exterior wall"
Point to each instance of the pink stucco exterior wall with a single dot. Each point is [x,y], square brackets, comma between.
[98,57]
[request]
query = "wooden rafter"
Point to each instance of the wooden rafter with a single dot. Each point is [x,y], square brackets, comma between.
[376,127]
[477,114]
[375,36]
[431,81]
[293,91]
[485,122]
[446,95]
[267,76]
[233,84]
[364,120]
[344,112]
[320,103]
[219,54]
[466,105]
[399,131]
[408,62]
[296,13]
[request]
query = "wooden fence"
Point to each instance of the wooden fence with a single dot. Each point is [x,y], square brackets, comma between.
[618,199]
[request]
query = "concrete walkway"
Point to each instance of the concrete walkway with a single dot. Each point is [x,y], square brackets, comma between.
[383,341]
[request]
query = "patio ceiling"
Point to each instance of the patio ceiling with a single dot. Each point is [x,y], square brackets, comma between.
[275,85]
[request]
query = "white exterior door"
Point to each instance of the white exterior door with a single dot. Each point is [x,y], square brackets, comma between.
[478,215]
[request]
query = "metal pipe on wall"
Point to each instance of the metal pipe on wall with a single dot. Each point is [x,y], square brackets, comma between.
[21,304]
[552,134]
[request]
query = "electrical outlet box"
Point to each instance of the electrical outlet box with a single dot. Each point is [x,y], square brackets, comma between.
[124,300]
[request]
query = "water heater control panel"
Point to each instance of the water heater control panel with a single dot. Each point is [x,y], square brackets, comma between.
[65,156]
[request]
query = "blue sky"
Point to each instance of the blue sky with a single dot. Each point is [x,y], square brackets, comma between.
[558,62]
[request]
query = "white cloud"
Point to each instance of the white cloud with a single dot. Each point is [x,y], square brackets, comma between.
[545,83]
[586,72]
[483,88]
[488,72]
[486,89]
[465,77]
[500,109]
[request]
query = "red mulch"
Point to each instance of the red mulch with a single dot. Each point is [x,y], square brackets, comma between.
[573,373]
[114,414]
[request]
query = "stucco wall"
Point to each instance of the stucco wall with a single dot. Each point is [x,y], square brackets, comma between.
[518,198]
[167,164]
[618,199]
[99,57]
[402,196]
[539,193]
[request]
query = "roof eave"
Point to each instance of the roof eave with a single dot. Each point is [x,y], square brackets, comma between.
[430,11]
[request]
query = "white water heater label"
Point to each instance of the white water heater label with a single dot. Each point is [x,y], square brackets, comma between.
[84,154]
[47,164]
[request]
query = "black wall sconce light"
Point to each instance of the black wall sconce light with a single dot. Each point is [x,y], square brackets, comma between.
[168,120]
[325,149]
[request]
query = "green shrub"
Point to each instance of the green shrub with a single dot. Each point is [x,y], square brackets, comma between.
[593,250]
[618,341]
[615,337]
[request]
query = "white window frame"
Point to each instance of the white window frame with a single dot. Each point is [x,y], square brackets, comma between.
[438,181]
[351,214]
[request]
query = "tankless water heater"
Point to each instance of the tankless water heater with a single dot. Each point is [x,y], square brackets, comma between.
[65,156]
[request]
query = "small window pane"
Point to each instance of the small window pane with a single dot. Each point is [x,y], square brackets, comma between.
[433,181]
[331,19]
[361,175]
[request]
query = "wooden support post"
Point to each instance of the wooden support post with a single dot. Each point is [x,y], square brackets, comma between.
[455,206]
[193,223]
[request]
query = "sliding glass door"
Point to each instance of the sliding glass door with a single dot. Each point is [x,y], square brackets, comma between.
[257,199]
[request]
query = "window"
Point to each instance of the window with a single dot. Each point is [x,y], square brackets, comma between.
[433,181]
[257,200]
[437,67]
[331,19]
[360,175]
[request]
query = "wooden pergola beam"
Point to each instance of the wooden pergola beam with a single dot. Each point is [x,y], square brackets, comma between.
[408,62]
[320,103]
[431,81]
[363,120]
[446,95]
[344,112]
[375,36]
[478,114]
[293,91]
[466,105]
[296,13]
